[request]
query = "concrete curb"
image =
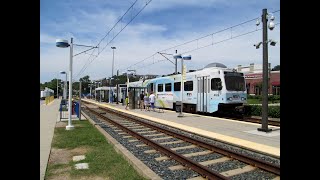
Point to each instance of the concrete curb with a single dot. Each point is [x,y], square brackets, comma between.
[139,166]
[272,119]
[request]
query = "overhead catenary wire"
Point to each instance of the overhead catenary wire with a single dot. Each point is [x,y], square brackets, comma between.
[200,47]
[114,36]
[88,62]
[208,35]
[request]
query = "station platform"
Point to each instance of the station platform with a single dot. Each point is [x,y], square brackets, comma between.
[242,134]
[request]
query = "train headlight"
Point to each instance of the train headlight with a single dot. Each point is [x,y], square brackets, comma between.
[230,98]
[242,99]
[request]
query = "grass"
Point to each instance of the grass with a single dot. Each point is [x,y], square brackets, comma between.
[102,158]
[257,101]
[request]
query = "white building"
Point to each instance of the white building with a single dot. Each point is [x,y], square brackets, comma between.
[252,68]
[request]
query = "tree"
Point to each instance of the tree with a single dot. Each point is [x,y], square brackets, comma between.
[52,85]
[276,68]
[85,81]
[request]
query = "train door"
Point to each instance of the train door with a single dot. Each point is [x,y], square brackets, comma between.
[203,93]
[150,88]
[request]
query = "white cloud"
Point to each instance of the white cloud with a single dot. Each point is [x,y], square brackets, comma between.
[140,40]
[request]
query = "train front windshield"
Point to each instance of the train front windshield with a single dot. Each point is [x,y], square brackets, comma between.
[234,81]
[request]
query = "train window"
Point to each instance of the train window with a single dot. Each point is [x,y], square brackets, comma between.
[177,86]
[188,86]
[160,87]
[168,87]
[215,83]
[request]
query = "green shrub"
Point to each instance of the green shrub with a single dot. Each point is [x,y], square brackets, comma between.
[254,97]
[274,111]
[256,110]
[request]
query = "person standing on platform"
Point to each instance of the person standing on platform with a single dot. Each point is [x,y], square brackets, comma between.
[152,99]
[127,102]
[146,102]
[141,100]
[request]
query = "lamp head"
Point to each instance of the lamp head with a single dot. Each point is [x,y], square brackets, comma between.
[271,25]
[272,42]
[257,45]
[62,43]
[188,57]
[177,56]
[257,22]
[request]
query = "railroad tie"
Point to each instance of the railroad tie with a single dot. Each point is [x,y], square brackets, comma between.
[184,147]
[144,132]
[126,136]
[141,145]
[205,163]
[238,171]
[214,161]
[168,137]
[197,178]
[143,129]
[135,126]
[150,135]
[171,142]
[150,151]
[162,158]
[133,140]
[198,153]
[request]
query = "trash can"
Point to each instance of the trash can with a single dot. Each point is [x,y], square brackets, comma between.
[178,106]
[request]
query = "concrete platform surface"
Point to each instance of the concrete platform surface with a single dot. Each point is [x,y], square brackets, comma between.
[48,117]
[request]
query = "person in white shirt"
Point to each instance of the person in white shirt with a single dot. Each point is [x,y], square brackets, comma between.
[152,99]
[146,102]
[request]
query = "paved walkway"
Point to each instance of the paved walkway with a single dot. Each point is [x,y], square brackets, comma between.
[48,117]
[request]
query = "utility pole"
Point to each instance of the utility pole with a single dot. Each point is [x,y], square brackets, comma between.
[80,101]
[117,87]
[264,120]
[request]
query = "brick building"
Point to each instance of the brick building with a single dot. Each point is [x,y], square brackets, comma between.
[253,77]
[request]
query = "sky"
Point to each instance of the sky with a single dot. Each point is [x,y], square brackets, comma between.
[161,25]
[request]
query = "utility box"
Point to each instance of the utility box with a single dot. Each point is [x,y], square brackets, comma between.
[178,106]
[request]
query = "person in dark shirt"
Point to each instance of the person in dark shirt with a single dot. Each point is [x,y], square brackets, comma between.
[141,101]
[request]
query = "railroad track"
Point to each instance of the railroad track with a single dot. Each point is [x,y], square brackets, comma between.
[253,120]
[190,153]
[241,118]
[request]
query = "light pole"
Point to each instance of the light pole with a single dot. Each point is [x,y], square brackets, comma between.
[65,85]
[113,48]
[110,94]
[264,17]
[64,44]
[57,89]
[90,85]
[183,74]
[117,102]
[100,84]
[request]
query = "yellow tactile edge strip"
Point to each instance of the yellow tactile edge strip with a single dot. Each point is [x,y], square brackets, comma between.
[235,141]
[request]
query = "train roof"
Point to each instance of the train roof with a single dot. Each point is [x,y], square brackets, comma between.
[215,64]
